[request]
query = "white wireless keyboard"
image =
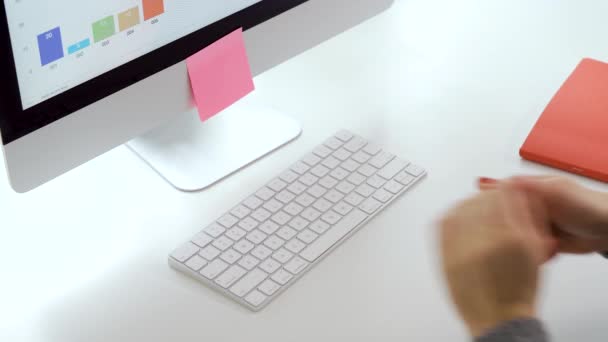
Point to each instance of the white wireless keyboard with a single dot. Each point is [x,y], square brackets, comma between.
[264,244]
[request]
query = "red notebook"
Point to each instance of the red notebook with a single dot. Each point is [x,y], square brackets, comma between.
[572,133]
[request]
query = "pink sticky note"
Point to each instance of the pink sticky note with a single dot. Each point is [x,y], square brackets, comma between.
[220,74]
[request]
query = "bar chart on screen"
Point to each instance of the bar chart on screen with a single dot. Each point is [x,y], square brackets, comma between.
[63,43]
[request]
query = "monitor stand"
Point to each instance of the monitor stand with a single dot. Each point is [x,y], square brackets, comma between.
[192,155]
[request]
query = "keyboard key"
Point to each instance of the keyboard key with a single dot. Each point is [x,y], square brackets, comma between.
[333,143]
[383,195]
[261,215]
[243,246]
[261,252]
[339,174]
[404,178]
[308,179]
[305,200]
[319,227]
[333,235]
[255,298]
[285,196]
[414,170]
[311,214]
[296,265]
[344,135]
[229,277]
[354,199]
[286,233]
[256,237]
[248,282]
[317,190]
[372,149]
[334,196]
[295,246]
[322,151]
[269,227]
[289,176]
[331,162]
[300,168]
[297,188]
[277,185]
[215,230]
[391,169]
[185,252]
[320,171]
[381,159]
[328,182]
[307,236]
[281,218]
[322,205]
[265,194]
[273,206]
[249,262]
[342,208]
[394,187]
[351,165]
[282,255]
[214,269]
[367,170]
[196,263]
[209,253]
[240,211]
[298,223]
[253,202]
[231,256]
[361,157]
[293,209]
[222,243]
[331,217]
[248,224]
[202,239]
[365,190]
[355,144]
[228,221]
[282,277]
[345,187]
[269,287]
[274,242]
[236,234]
[270,265]
[356,178]
[311,159]
[342,154]
[376,181]
[370,205]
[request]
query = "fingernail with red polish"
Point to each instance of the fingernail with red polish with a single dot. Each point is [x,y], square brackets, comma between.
[487,181]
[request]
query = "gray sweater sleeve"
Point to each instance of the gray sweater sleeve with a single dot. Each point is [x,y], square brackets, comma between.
[525,330]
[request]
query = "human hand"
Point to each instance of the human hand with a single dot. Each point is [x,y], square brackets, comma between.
[493,247]
[578,216]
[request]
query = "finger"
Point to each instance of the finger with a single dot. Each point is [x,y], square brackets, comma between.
[485,183]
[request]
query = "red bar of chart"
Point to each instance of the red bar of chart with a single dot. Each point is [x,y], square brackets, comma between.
[153,8]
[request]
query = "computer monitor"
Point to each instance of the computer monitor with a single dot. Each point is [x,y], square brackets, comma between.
[80,78]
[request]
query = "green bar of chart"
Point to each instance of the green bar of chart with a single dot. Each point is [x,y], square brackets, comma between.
[104,28]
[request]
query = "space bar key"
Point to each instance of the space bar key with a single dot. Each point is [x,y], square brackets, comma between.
[333,235]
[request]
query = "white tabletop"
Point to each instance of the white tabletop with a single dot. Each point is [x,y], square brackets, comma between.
[452,85]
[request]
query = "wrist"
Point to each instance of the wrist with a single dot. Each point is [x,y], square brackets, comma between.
[482,325]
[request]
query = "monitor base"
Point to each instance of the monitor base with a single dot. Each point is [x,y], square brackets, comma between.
[192,156]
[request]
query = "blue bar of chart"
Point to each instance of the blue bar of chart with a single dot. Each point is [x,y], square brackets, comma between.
[79,46]
[50,46]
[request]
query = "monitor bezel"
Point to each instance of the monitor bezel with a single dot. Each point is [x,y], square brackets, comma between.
[16,123]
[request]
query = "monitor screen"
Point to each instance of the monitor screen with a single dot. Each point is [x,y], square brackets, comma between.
[60,44]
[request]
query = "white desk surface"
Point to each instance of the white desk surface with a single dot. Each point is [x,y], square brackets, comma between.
[452,85]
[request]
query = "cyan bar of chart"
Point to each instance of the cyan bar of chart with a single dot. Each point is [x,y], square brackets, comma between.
[79,46]
[50,46]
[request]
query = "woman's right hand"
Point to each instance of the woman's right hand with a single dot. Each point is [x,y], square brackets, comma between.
[578,215]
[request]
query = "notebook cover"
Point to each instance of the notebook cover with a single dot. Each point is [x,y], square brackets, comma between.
[572,132]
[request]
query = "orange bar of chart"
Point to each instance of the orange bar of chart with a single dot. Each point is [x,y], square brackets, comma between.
[153,8]
[128,19]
